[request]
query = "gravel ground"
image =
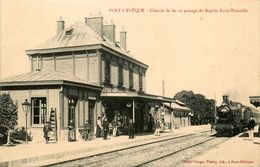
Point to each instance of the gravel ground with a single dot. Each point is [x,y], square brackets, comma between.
[239,151]
[184,157]
[143,154]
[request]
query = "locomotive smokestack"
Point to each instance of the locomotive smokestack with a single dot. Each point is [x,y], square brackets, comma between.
[225,99]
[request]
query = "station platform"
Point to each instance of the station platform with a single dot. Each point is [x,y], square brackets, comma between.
[238,151]
[41,154]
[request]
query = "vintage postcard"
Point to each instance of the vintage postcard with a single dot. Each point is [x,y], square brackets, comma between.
[130,83]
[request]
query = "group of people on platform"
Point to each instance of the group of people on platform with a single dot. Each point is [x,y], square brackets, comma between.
[103,126]
[159,125]
[103,129]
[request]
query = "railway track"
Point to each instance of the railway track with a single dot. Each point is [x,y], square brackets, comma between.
[181,156]
[150,153]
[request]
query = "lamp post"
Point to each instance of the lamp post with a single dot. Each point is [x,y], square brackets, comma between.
[26,108]
[190,115]
[130,105]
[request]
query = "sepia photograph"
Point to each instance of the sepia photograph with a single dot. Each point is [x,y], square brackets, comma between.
[128,83]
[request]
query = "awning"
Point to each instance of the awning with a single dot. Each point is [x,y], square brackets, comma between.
[137,95]
[176,106]
[178,110]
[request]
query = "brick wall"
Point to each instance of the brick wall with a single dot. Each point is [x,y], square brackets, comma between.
[126,78]
[136,81]
[48,65]
[144,83]
[114,75]
[93,71]
[102,71]
[81,67]
[64,65]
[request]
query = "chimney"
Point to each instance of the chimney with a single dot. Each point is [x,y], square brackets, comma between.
[123,38]
[109,31]
[225,99]
[95,23]
[60,25]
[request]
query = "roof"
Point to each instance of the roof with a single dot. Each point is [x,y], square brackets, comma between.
[80,35]
[180,103]
[45,77]
[255,100]
[137,95]
[175,106]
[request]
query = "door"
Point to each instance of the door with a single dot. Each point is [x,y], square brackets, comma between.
[91,113]
[71,118]
[72,106]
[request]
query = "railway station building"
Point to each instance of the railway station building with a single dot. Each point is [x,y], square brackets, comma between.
[83,73]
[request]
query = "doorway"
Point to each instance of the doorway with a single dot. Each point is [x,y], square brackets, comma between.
[71,118]
[91,113]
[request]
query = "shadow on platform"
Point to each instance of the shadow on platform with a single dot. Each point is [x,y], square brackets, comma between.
[256,143]
[247,135]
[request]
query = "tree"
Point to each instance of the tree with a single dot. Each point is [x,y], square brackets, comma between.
[8,114]
[202,108]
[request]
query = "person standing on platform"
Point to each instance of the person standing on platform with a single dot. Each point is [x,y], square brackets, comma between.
[71,131]
[99,127]
[157,126]
[114,125]
[46,130]
[131,129]
[251,125]
[105,128]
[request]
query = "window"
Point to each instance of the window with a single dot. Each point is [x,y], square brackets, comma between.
[72,105]
[39,110]
[69,32]
[131,79]
[107,72]
[120,76]
[140,82]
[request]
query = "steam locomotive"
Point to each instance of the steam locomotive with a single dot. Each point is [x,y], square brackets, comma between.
[231,117]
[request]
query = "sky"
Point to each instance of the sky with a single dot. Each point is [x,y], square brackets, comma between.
[212,53]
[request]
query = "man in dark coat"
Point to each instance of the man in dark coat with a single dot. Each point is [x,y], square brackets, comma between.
[71,128]
[250,126]
[46,130]
[131,129]
[99,127]
[105,125]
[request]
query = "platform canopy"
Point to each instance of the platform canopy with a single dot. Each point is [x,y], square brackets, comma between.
[255,100]
[136,95]
[176,106]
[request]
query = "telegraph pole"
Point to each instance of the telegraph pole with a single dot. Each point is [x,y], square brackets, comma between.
[163,93]
[163,88]
[215,109]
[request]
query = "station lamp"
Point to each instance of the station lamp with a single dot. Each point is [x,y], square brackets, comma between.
[26,108]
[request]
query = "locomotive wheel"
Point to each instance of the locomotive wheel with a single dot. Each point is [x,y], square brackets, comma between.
[234,132]
[218,135]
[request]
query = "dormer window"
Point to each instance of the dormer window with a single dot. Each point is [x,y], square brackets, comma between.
[117,44]
[69,32]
